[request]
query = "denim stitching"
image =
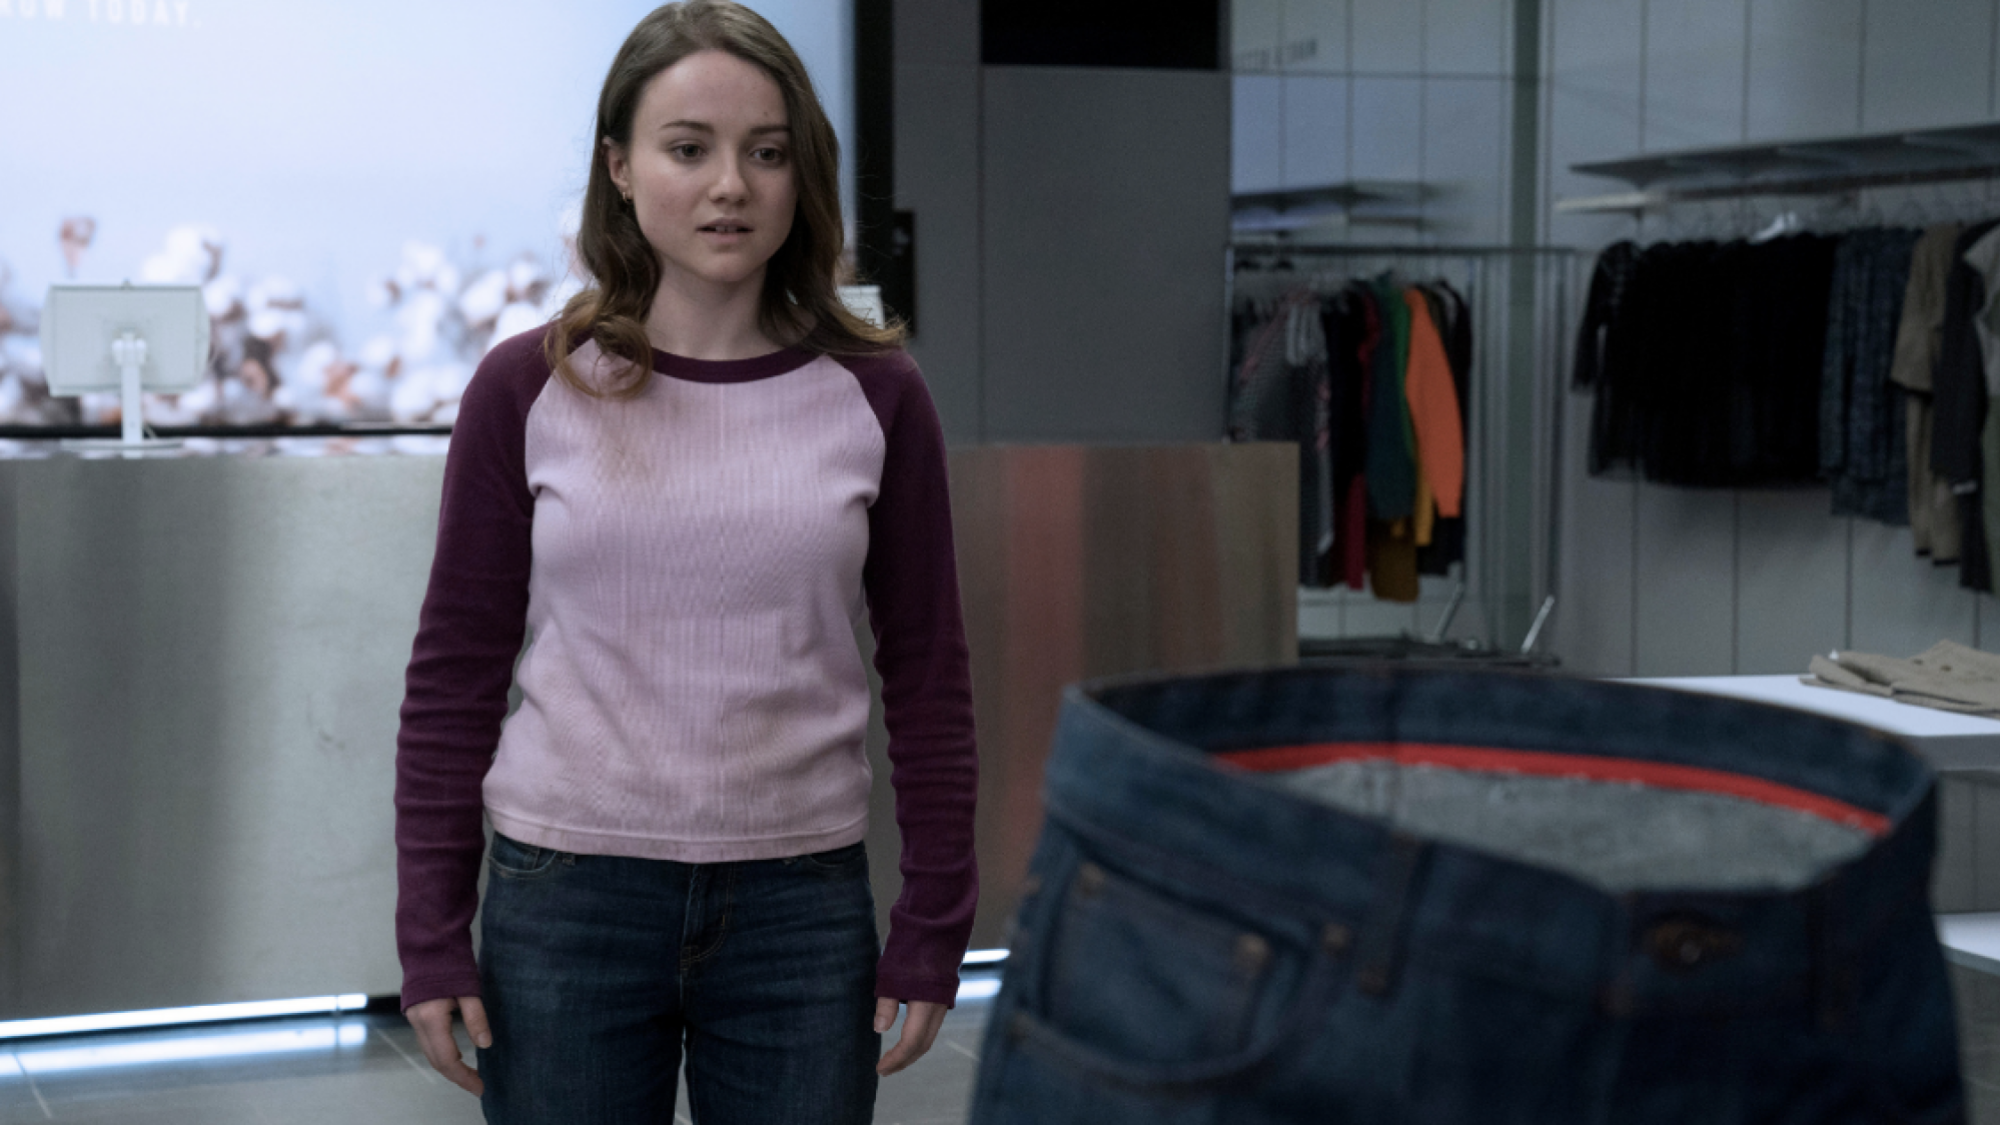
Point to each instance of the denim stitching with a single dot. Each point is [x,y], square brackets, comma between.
[728,881]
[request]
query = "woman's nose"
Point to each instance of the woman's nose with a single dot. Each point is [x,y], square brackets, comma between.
[729,182]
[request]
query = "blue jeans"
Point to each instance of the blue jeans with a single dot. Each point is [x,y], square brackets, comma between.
[596,970]
[1418,895]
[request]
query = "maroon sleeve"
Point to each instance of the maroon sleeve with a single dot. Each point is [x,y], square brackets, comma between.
[911,579]
[461,666]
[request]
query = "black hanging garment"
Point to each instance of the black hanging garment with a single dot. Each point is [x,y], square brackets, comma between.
[1959,409]
[1862,437]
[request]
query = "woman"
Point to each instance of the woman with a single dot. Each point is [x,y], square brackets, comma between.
[686,489]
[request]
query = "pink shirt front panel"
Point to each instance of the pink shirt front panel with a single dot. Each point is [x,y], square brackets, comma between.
[692,690]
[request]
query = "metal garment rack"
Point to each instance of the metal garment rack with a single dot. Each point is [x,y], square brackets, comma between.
[1523,299]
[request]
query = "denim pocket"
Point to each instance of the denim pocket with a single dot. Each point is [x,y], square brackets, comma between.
[511,859]
[839,861]
[1152,981]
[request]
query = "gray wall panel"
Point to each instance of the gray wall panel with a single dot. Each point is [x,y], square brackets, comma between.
[1985,841]
[1694,73]
[1315,117]
[1371,617]
[1465,160]
[1955,871]
[1791,580]
[1469,37]
[1317,33]
[1592,107]
[1104,318]
[1685,604]
[1257,148]
[937,33]
[1597,609]
[1388,36]
[1595,36]
[1805,67]
[1904,604]
[1255,33]
[1927,62]
[1388,129]
[937,176]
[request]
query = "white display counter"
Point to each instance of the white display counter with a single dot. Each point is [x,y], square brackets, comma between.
[1965,750]
[1950,742]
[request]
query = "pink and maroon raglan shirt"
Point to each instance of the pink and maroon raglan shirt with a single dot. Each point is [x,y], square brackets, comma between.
[689,564]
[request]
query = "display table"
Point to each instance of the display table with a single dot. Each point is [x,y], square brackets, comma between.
[1950,742]
[1972,941]
[1965,750]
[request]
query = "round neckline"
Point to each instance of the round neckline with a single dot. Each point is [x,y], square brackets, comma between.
[749,370]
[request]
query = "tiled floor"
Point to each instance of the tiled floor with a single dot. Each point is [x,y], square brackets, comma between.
[364,1068]
[368,1069]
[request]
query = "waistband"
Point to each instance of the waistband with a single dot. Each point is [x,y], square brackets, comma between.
[1141,771]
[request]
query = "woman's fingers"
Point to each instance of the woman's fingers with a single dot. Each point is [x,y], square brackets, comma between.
[473,1012]
[920,1030]
[432,1021]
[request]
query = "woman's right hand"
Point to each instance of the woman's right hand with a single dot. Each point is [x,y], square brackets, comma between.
[432,1019]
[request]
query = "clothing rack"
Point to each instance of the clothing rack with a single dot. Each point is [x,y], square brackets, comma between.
[1522,300]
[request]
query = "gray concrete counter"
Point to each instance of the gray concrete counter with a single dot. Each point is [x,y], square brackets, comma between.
[201,662]
[207,661]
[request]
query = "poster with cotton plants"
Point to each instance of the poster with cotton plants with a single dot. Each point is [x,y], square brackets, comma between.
[370,194]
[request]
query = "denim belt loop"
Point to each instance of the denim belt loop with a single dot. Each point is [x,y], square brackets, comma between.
[1380,943]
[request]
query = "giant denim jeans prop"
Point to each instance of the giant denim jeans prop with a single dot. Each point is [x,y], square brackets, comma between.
[1415,895]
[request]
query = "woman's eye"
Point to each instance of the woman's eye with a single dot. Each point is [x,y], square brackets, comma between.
[685,151]
[770,155]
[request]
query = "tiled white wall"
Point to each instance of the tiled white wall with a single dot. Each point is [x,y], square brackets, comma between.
[1328,91]
[1660,581]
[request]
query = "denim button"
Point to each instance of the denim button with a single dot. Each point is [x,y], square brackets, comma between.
[1089,879]
[1252,952]
[1336,938]
[1684,944]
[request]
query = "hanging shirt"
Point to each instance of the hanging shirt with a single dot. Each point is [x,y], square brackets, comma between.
[1933,509]
[1454,323]
[1392,470]
[1433,400]
[1959,408]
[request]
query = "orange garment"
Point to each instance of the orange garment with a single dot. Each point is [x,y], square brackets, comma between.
[1434,409]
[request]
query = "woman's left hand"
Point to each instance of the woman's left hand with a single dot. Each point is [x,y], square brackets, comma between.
[920,1028]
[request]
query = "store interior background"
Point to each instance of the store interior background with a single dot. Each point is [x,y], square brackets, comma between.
[1071,225]
[1073,295]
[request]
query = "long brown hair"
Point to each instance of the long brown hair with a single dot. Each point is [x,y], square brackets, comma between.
[800,299]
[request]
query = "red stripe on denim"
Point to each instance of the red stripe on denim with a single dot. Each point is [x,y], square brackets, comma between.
[1660,775]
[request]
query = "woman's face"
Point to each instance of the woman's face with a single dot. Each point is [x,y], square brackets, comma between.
[709,169]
